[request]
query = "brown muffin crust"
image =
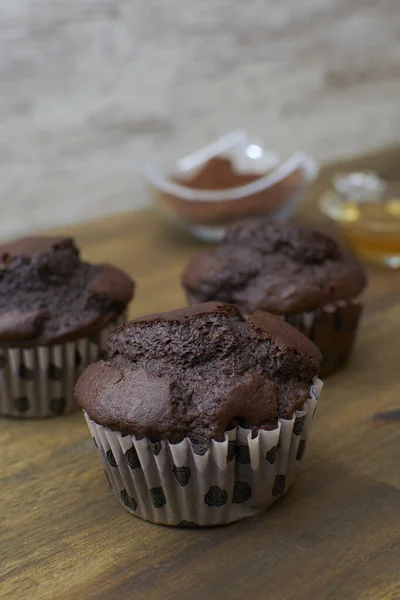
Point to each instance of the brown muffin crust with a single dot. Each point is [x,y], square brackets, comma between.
[48,295]
[198,371]
[277,267]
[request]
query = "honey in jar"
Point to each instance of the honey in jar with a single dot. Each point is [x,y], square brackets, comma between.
[367,211]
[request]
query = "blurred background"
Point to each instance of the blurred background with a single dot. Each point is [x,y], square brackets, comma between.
[89,87]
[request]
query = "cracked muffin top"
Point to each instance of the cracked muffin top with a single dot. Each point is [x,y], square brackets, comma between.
[49,295]
[273,266]
[197,372]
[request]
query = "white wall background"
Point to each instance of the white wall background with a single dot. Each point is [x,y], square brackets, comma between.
[89,86]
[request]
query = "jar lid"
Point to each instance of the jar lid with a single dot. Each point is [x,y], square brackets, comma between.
[360,186]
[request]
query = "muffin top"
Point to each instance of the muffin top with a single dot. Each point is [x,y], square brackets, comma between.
[281,268]
[48,295]
[196,372]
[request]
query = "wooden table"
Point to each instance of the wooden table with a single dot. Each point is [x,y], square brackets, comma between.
[336,535]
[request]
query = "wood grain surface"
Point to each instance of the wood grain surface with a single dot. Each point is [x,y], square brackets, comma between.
[334,536]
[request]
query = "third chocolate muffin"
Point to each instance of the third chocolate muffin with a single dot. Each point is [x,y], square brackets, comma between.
[297,273]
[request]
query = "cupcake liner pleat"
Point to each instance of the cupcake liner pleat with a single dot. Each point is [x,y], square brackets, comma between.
[190,484]
[39,382]
[333,329]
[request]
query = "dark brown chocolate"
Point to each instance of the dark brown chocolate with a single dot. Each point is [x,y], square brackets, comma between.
[218,173]
[277,267]
[31,247]
[48,295]
[197,371]
[19,325]
[113,283]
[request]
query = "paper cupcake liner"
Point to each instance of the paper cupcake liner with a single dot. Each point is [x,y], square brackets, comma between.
[39,382]
[215,483]
[333,329]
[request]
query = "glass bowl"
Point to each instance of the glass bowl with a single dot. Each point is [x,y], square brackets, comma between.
[205,213]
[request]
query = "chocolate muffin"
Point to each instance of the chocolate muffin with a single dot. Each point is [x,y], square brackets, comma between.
[300,274]
[201,382]
[55,310]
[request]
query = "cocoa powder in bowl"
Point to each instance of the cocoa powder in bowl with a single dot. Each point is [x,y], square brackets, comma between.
[218,174]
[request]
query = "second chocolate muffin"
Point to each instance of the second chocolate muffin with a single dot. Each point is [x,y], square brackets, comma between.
[55,314]
[297,273]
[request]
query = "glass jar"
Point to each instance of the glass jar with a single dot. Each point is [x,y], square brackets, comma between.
[366,209]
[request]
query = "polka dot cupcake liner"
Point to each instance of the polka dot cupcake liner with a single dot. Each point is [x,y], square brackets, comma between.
[193,485]
[333,329]
[39,382]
